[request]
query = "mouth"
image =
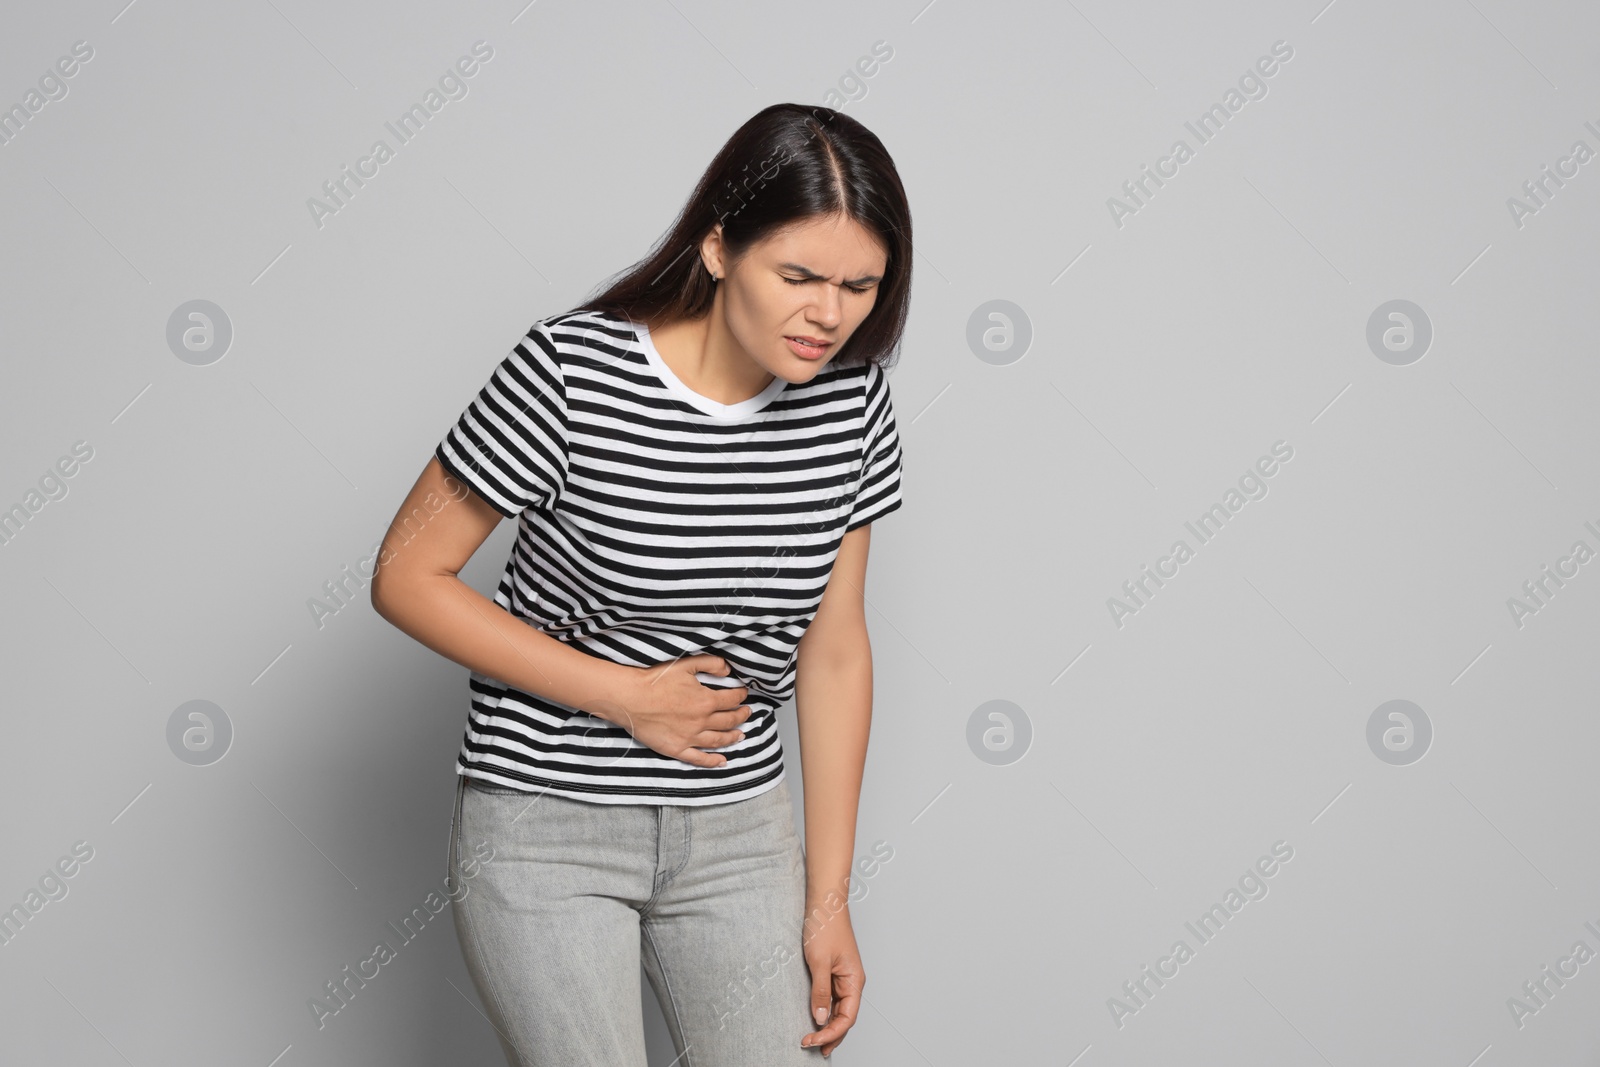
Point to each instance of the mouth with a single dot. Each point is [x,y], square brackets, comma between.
[808,347]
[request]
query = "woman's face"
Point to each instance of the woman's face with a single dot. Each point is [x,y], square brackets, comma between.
[816,280]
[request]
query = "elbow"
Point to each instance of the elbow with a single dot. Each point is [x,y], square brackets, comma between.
[393,590]
[375,594]
[384,592]
[836,656]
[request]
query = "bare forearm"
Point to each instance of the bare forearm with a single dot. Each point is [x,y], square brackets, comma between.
[456,621]
[833,703]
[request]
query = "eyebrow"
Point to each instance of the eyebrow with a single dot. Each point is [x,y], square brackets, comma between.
[809,273]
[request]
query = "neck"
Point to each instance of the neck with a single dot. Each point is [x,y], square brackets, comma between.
[706,358]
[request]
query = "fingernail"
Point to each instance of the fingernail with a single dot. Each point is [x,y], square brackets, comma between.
[820,1014]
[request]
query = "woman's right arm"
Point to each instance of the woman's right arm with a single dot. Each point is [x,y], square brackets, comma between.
[416,587]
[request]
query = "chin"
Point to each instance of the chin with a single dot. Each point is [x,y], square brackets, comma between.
[801,371]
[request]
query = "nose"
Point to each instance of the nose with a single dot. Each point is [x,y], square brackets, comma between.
[828,312]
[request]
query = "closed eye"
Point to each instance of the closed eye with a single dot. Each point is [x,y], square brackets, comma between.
[802,281]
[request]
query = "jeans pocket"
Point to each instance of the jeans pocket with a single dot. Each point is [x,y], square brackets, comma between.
[455,829]
[781,815]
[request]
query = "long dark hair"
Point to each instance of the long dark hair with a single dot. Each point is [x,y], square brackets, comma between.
[787,164]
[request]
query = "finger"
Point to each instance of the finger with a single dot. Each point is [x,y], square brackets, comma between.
[834,1032]
[731,698]
[844,1017]
[709,662]
[719,738]
[821,1002]
[849,1004]
[728,718]
[701,759]
[838,1026]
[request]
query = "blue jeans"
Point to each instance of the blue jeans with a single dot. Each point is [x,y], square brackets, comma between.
[710,899]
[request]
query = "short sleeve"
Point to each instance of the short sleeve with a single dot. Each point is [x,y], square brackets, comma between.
[510,444]
[879,490]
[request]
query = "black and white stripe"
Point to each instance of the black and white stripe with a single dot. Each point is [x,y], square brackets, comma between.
[652,524]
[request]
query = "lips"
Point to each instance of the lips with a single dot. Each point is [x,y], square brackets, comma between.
[805,350]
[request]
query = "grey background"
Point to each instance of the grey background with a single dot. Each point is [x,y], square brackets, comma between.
[1166,755]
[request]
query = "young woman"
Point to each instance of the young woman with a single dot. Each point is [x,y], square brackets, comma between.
[693,459]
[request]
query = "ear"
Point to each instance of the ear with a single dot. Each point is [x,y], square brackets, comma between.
[711,252]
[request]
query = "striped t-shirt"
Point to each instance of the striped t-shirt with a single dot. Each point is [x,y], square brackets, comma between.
[654,523]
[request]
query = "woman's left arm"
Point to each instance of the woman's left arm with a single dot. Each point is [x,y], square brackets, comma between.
[833,705]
